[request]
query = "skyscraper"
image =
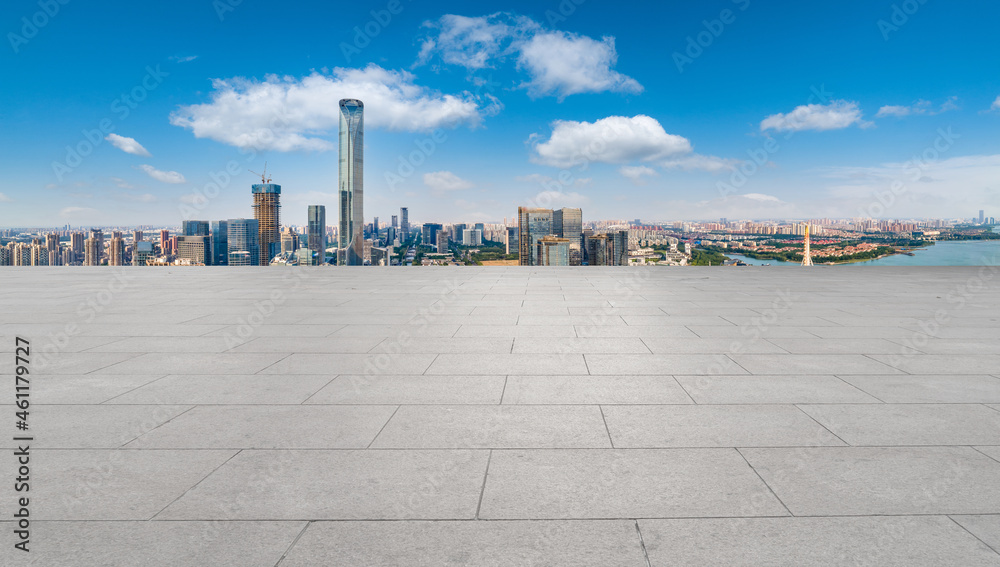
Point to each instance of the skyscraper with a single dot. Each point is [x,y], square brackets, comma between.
[244,242]
[142,253]
[220,243]
[404,223]
[266,210]
[76,246]
[982,214]
[553,251]
[568,223]
[533,224]
[116,251]
[316,231]
[395,221]
[164,242]
[351,182]
[194,228]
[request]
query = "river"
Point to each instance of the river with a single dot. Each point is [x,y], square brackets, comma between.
[946,253]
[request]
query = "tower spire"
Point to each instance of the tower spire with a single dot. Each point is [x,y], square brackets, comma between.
[806,253]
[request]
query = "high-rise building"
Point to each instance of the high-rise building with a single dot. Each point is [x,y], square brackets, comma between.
[568,223]
[195,249]
[395,221]
[5,254]
[982,214]
[316,232]
[510,239]
[164,242]
[553,251]
[98,236]
[76,246]
[244,242]
[39,255]
[194,228]
[92,253]
[52,242]
[289,240]
[220,243]
[351,183]
[375,228]
[533,225]
[267,210]
[472,237]
[430,231]
[442,242]
[137,235]
[116,251]
[404,223]
[142,253]
[620,247]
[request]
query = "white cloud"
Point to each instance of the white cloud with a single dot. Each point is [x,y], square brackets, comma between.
[995,107]
[127,145]
[921,107]
[761,197]
[164,176]
[615,139]
[67,212]
[696,162]
[5,198]
[288,114]
[562,64]
[182,58]
[440,182]
[122,184]
[558,200]
[557,63]
[837,115]
[637,172]
[144,198]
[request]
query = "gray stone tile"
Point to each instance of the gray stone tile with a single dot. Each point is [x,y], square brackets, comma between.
[544,345]
[441,345]
[909,424]
[812,364]
[581,320]
[161,544]
[395,331]
[166,344]
[859,481]
[594,390]
[792,542]
[656,364]
[747,332]
[647,483]
[875,331]
[338,485]
[332,364]
[494,427]
[942,363]
[243,333]
[523,364]
[85,388]
[187,363]
[634,331]
[112,484]
[677,320]
[360,389]
[948,389]
[96,426]
[515,331]
[50,344]
[956,346]
[80,362]
[270,427]
[710,346]
[226,389]
[993,451]
[789,389]
[986,528]
[840,346]
[652,427]
[597,543]
[287,345]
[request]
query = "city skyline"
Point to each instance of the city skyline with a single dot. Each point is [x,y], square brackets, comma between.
[470,116]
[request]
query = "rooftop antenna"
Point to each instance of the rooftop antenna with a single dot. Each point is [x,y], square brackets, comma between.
[264,179]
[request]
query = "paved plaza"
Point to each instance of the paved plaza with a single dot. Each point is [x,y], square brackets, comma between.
[505,416]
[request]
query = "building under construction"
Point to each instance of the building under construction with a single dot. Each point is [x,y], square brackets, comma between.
[266,209]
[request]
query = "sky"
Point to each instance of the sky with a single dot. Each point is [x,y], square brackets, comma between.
[132,113]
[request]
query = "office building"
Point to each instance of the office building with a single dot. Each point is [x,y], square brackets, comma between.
[194,250]
[472,237]
[220,243]
[116,251]
[194,228]
[351,183]
[316,233]
[620,248]
[165,242]
[142,254]
[395,221]
[568,223]
[404,223]
[267,213]
[137,236]
[982,214]
[553,251]
[289,241]
[533,225]
[244,242]
[381,256]
[442,242]
[510,239]
[430,231]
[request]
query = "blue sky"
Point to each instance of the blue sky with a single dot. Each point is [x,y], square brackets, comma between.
[131,113]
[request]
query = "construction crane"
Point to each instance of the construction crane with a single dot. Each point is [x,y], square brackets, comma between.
[263,176]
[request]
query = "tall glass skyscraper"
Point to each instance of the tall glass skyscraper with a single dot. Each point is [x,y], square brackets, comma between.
[533,225]
[568,223]
[352,163]
[316,232]
[220,243]
[404,223]
[244,242]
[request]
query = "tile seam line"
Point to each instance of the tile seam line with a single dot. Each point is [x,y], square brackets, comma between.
[294,541]
[310,396]
[384,425]
[771,490]
[275,362]
[959,524]
[841,378]
[606,429]
[195,485]
[642,543]
[123,393]
[825,428]
[482,489]
[144,433]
